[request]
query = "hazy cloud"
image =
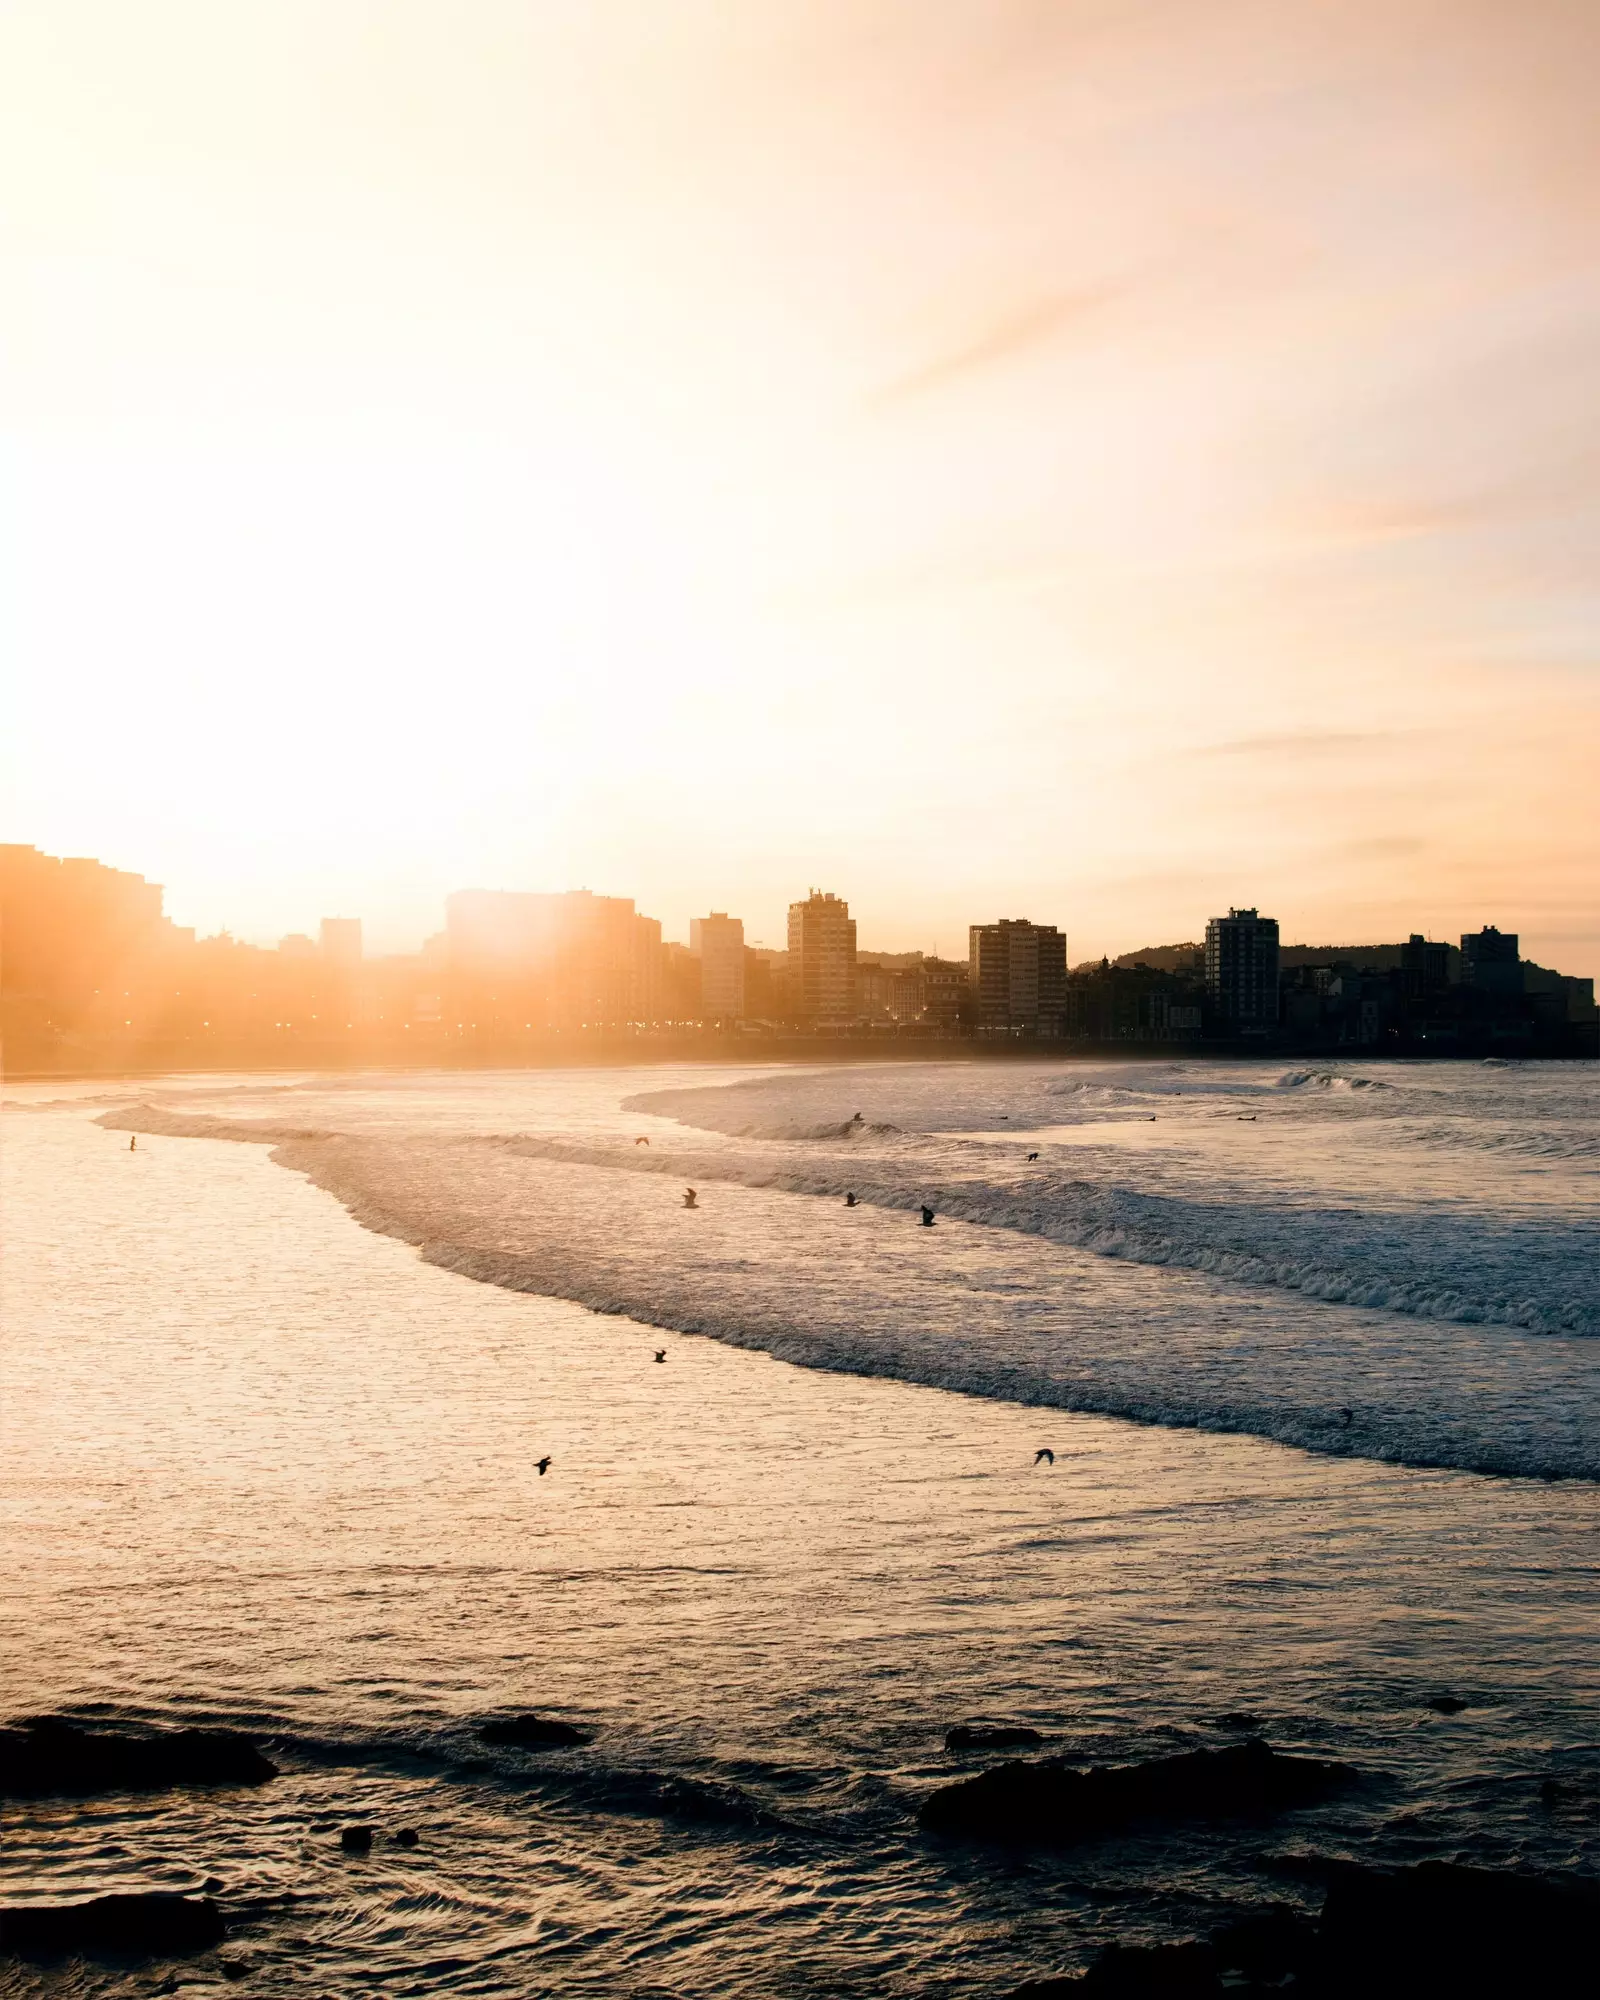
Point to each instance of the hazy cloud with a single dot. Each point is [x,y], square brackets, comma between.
[1308,743]
[1028,327]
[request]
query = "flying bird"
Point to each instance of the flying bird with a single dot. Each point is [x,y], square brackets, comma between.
[544,1467]
[661,1354]
[690,1198]
[1044,1456]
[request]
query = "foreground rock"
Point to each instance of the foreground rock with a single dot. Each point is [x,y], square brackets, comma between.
[1048,1805]
[973,1736]
[1437,1929]
[51,1756]
[531,1732]
[156,1925]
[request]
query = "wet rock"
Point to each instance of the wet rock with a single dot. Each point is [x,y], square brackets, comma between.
[1238,1718]
[1047,1804]
[356,1839]
[1447,1704]
[531,1732]
[406,1837]
[49,1755]
[1411,1934]
[1443,1928]
[154,1925]
[974,1736]
[1133,1972]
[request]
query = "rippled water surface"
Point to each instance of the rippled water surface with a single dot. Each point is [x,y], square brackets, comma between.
[265,1465]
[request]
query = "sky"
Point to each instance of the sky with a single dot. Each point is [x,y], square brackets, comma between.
[1097,460]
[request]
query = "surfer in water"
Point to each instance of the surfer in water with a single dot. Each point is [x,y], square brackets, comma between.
[690,1198]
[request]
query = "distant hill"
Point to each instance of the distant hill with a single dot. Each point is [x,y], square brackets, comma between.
[1363,957]
[1159,958]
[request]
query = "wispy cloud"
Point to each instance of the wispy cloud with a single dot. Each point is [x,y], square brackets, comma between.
[1309,743]
[1030,326]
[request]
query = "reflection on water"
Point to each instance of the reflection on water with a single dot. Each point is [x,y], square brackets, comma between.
[262,1465]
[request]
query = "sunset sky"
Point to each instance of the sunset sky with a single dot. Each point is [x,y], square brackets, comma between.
[1099,462]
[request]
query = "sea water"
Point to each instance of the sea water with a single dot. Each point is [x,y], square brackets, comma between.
[276,1383]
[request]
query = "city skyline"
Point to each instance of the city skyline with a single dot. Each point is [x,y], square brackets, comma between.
[1128,462]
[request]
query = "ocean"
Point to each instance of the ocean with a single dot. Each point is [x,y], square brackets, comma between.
[1315,1351]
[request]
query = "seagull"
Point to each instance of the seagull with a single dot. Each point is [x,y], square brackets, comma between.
[661,1354]
[927,1216]
[690,1198]
[1044,1456]
[544,1467]
[849,1201]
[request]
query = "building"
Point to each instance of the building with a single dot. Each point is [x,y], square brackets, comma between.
[1490,961]
[341,942]
[1424,967]
[1017,973]
[531,961]
[822,961]
[1242,969]
[718,942]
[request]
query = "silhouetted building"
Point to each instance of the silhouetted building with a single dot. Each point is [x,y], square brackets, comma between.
[1424,967]
[341,942]
[1017,972]
[822,961]
[1490,962]
[567,961]
[718,942]
[1242,969]
[297,945]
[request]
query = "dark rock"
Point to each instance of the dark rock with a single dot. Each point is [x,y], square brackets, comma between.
[1270,1945]
[1048,1804]
[52,1756]
[1447,1704]
[356,1839]
[144,1926]
[406,1837]
[973,1736]
[1239,1718]
[531,1732]
[1413,1934]
[1138,1972]
[1443,1928]
[233,1968]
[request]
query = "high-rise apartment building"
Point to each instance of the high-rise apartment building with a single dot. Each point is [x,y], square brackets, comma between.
[822,961]
[1424,966]
[718,942]
[341,942]
[1490,961]
[573,961]
[1018,975]
[1242,968]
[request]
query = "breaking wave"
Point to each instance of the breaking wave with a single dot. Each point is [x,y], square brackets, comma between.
[1331,1330]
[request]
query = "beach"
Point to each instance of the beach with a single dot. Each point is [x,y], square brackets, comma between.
[1315,1354]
